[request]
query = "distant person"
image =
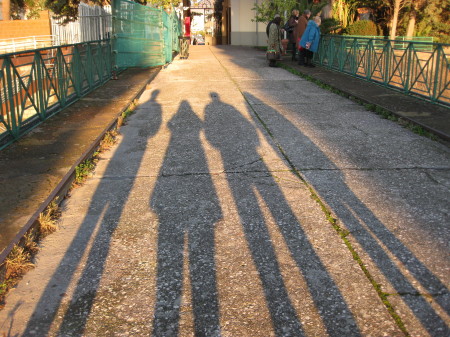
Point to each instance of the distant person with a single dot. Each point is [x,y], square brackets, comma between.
[310,40]
[298,33]
[292,25]
[186,38]
[274,35]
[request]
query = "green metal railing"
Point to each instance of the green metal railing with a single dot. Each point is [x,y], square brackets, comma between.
[38,83]
[401,42]
[416,68]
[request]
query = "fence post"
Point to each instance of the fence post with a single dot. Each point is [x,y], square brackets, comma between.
[387,63]
[114,39]
[409,60]
[77,70]
[14,127]
[434,97]
[39,64]
[60,77]
[369,59]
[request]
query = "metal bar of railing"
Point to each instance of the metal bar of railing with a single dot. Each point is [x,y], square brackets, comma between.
[35,84]
[417,68]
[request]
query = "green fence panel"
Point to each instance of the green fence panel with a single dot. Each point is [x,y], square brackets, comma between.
[168,31]
[138,35]
[177,33]
[36,84]
[414,67]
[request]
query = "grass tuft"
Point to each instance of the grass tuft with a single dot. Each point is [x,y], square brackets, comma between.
[18,262]
[48,218]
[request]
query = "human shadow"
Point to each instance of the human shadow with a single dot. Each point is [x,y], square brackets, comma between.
[188,209]
[237,140]
[98,225]
[372,235]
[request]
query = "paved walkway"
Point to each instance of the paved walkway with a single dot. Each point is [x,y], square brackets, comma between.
[213,216]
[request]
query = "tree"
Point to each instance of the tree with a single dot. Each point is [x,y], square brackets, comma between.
[433,19]
[268,8]
[67,10]
[26,8]
[395,6]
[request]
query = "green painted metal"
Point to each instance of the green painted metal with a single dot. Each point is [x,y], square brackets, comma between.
[416,68]
[36,84]
[143,36]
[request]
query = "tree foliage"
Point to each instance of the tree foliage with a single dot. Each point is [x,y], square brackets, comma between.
[363,28]
[433,19]
[26,8]
[67,10]
[266,10]
[424,17]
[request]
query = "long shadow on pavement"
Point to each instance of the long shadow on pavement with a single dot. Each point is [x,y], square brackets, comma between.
[104,211]
[188,208]
[367,229]
[237,140]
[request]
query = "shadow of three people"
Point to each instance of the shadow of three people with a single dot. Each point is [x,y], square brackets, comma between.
[363,225]
[187,204]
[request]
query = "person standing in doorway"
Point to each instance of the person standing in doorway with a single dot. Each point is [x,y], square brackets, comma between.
[298,32]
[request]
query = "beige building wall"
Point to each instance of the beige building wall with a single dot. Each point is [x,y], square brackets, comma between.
[24,28]
[244,32]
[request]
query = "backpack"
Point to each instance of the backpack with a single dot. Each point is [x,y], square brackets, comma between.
[288,28]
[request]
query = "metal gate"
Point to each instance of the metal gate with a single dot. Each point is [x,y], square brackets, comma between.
[138,35]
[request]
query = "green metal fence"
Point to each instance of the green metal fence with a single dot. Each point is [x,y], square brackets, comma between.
[417,68]
[172,32]
[401,42]
[143,36]
[36,84]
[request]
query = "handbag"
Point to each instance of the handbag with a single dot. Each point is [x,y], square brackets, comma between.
[272,55]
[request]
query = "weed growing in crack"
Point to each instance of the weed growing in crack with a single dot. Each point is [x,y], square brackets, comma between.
[83,170]
[48,218]
[19,260]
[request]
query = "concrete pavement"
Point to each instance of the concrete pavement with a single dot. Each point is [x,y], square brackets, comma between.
[213,215]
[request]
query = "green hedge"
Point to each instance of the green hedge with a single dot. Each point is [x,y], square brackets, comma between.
[363,28]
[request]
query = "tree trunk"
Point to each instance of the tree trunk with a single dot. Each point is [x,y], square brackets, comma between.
[395,19]
[411,22]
